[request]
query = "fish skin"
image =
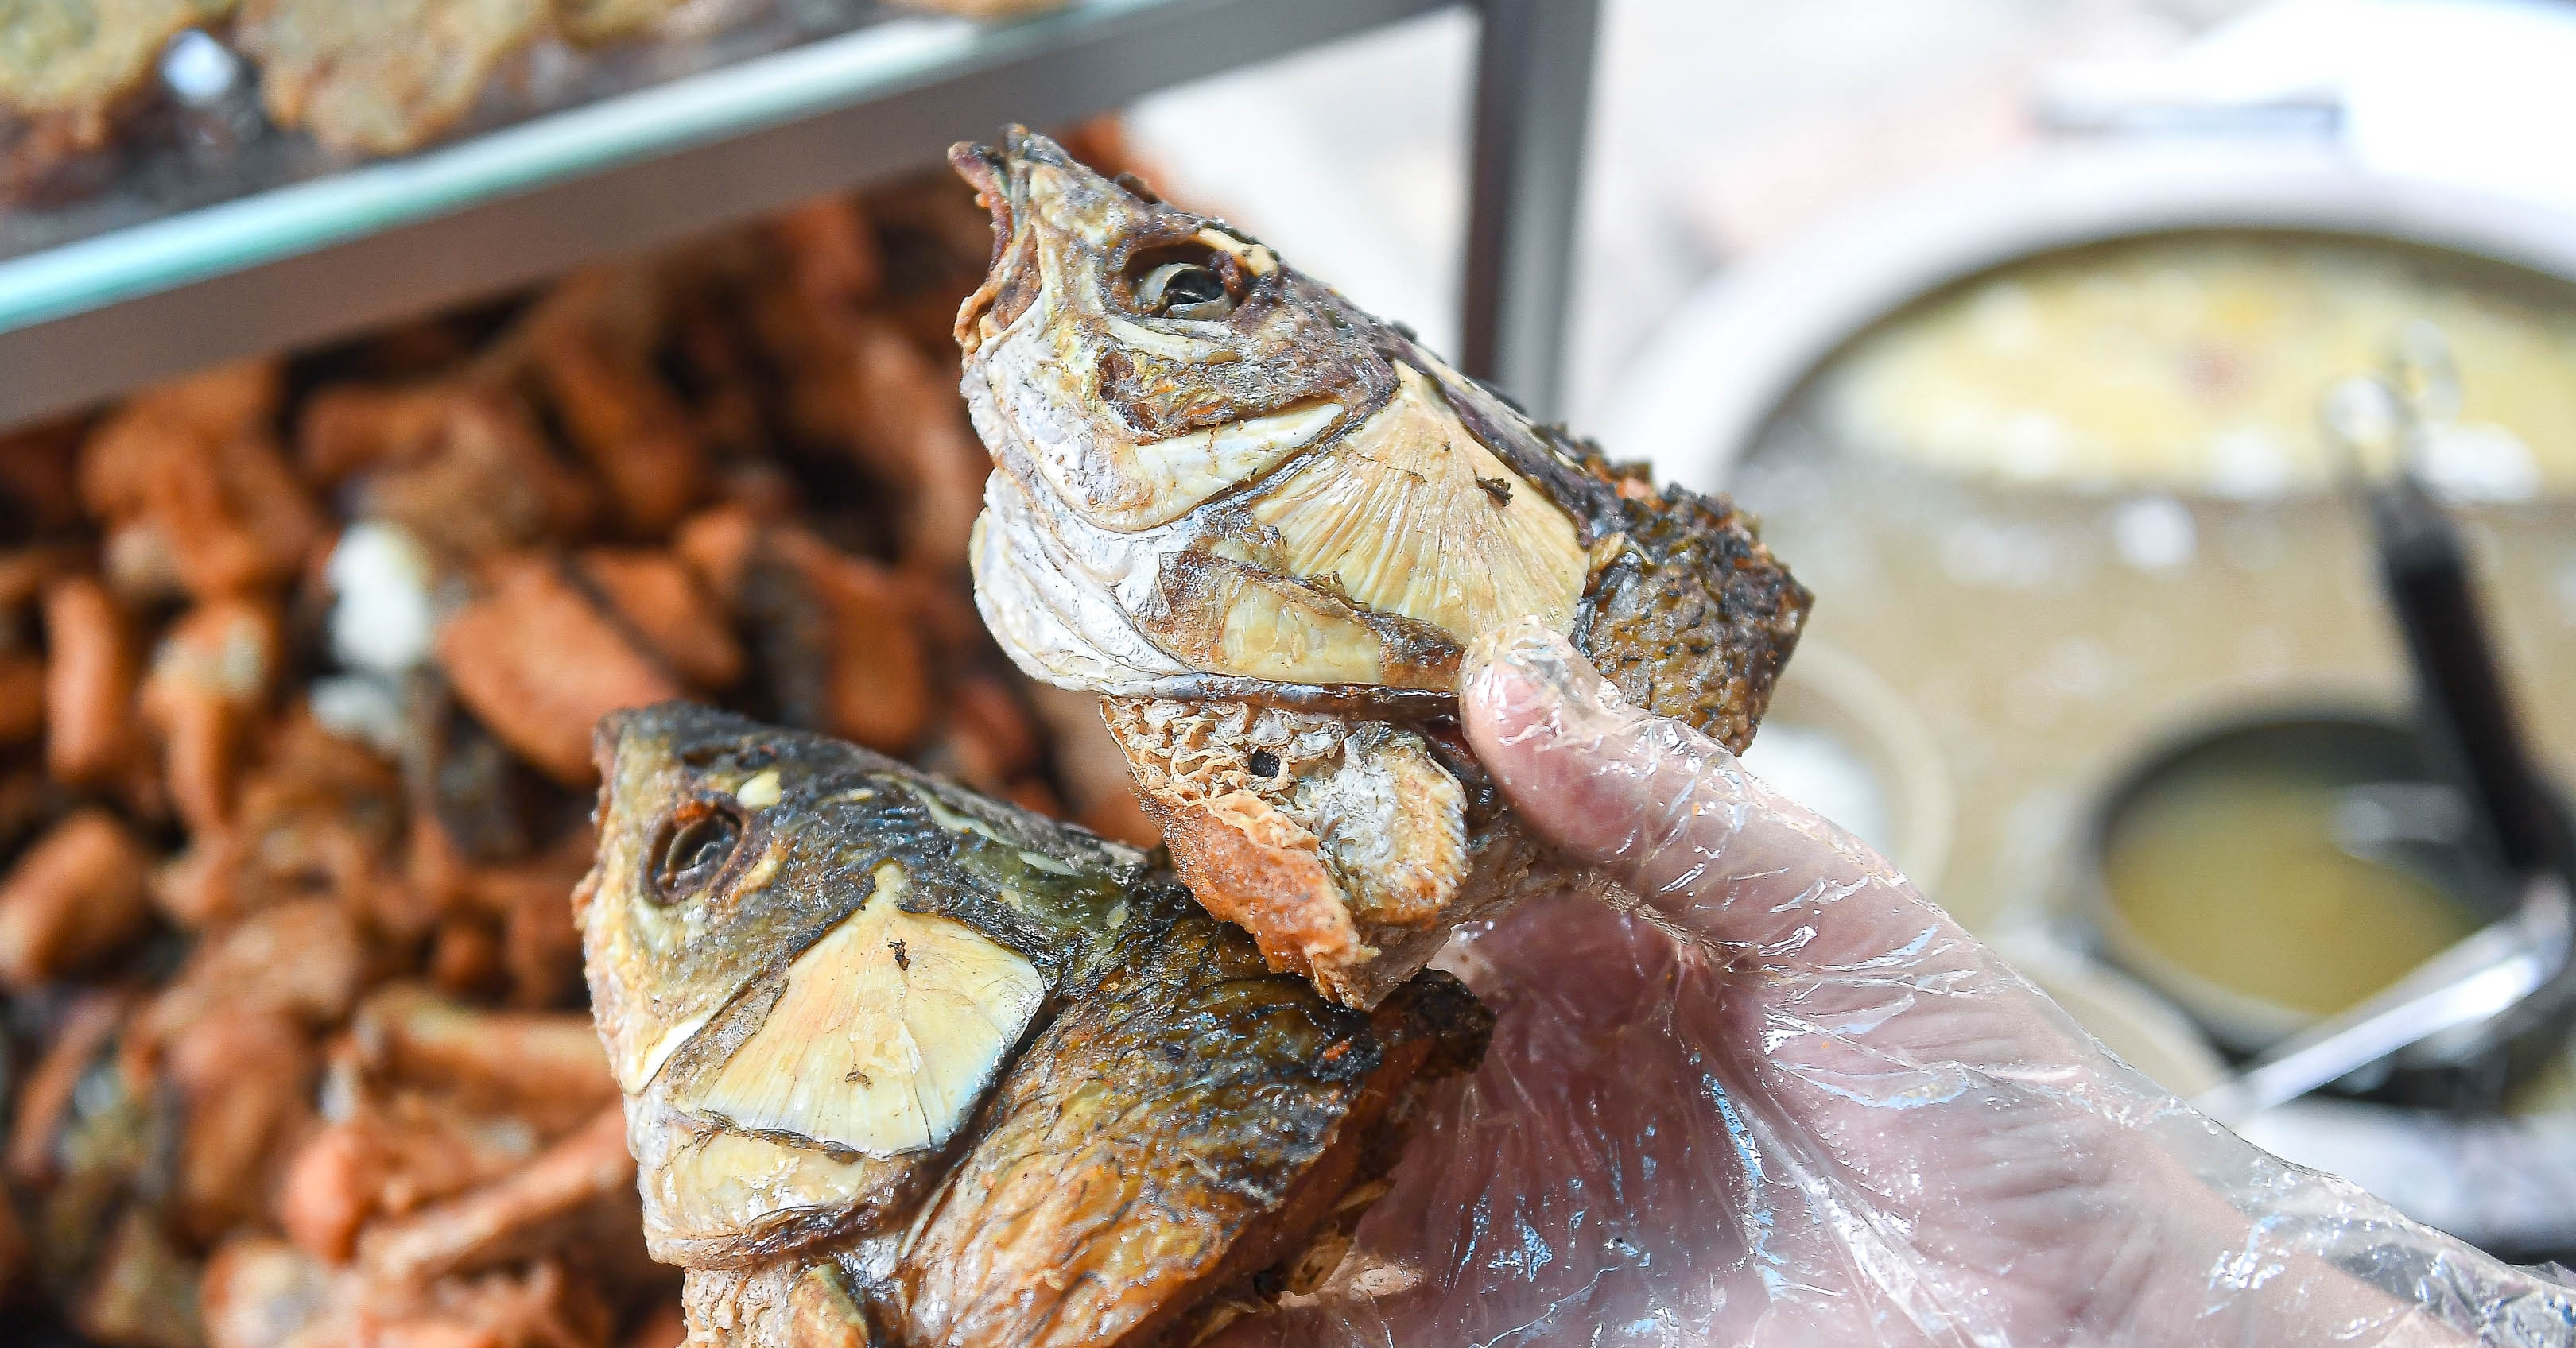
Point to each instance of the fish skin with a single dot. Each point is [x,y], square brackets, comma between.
[1098,569]
[1175,1122]
[1144,1150]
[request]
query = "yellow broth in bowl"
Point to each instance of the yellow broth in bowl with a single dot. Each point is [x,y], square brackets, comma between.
[2272,873]
[2195,362]
[2235,873]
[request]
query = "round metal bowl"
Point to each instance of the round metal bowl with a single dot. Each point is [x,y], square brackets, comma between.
[1737,349]
[2350,745]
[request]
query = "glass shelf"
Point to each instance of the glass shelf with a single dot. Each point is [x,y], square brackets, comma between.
[208,140]
[182,264]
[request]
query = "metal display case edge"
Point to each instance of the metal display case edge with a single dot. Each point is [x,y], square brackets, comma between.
[315,260]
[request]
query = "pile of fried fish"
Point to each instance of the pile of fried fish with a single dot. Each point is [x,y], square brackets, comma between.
[299,663]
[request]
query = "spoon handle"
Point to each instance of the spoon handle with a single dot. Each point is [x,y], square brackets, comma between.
[2425,572]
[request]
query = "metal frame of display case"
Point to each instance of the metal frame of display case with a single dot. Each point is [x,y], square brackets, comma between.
[1533,100]
[309,261]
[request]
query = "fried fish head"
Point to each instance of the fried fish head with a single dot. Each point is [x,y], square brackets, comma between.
[897,1058]
[809,965]
[1220,487]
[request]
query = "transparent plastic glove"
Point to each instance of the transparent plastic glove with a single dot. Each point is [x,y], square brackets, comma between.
[1769,1094]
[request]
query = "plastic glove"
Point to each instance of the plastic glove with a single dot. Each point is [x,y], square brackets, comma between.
[1770,1094]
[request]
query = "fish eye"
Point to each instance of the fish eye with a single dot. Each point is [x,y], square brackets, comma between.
[693,853]
[1184,290]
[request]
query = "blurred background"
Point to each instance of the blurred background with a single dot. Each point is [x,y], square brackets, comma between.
[2016,323]
[1715,128]
[2172,405]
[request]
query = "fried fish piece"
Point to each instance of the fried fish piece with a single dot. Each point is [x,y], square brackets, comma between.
[244,1082]
[906,1066]
[435,1099]
[318,817]
[855,379]
[91,732]
[261,1292]
[76,65]
[194,490]
[653,593]
[591,341]
[536,660]
[832,639]
[596,21]
[462,466]
[212,678]
[1268,526]
[385,77]
[75,896]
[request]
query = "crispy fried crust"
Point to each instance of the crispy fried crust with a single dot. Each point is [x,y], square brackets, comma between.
[1261,871]
[1342,846]
[1694,619]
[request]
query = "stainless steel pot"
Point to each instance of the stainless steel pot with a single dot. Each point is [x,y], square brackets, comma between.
[1735,351]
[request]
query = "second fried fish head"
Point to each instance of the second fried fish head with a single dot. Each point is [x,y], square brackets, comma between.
[791,937]
[860,1015]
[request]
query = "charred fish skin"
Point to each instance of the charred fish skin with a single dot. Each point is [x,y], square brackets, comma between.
[892,1052]
[1226,498]
[1192,1123]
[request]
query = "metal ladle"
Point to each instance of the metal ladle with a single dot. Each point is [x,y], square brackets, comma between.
[2514,976]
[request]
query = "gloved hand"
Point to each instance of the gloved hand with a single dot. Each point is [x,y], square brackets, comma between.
[1770,1094]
